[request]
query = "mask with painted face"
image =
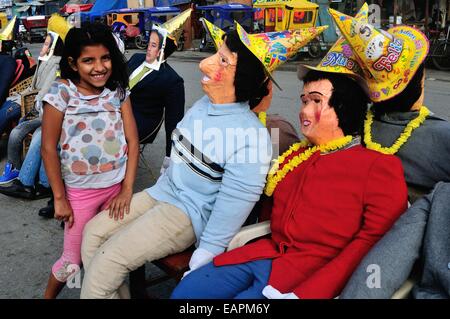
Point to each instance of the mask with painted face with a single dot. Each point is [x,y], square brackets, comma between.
[318,120]
[219,71]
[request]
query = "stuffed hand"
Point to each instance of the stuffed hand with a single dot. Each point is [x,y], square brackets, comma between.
[199,258]
[271,293]
[164,165]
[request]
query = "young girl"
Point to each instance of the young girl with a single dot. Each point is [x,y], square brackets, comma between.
[88,115]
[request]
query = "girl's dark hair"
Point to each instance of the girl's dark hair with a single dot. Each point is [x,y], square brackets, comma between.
[94,34]
[348,100]
[403,101]
[250,79]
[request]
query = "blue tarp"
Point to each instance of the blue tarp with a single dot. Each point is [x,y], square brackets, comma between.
[167,3]
[102,6]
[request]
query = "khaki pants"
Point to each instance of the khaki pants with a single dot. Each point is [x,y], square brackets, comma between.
[112,248]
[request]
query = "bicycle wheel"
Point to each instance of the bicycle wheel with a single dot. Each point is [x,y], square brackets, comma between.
[140,42]
[441,56]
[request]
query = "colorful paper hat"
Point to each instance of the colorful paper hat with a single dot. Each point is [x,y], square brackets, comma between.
[389,59]
[8,32]
[175,25]
[340,58]
[214,32]
[271,48]
[59,25]
[274,48]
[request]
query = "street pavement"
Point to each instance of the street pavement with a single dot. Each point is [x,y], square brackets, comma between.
[30,245]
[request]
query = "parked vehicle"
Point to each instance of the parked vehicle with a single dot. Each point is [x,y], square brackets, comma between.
[282,15]
[180,42]
[3,20]
[21,35]
[440,48]
[134,25]
[223,16]
[36,28]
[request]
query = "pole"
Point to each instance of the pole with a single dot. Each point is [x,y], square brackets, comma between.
[427,15]
[395,12]
[447,15]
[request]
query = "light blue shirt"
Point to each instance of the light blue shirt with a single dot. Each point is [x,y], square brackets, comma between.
[218,164]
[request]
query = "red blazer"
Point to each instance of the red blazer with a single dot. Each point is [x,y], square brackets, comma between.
[327,213]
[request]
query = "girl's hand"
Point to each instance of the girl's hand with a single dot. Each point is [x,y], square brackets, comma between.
[63,211]
[120,204]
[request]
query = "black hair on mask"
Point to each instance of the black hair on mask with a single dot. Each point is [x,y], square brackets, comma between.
[250,81]
[403,101]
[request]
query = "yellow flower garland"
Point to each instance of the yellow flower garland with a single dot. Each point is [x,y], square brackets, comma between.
[412,125]
[262,117]
[276,175]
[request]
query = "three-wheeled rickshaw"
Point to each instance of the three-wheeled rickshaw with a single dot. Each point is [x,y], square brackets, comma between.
[279,15]
[223,16]
[134,25]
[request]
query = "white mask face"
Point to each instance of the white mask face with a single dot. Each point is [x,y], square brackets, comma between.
[48,47]
[374,48]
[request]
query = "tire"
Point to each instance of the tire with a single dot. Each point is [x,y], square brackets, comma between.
[140,43]
[314,49]
[295,57]
[441,56]
[180,45]
[202,46]
[19,43]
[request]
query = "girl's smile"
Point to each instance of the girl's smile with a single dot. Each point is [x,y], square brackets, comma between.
[94,68]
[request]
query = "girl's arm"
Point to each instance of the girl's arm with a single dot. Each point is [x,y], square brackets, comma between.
[121,203]
[51,131]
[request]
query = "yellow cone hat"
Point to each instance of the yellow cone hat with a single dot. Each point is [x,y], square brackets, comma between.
[340,58]
[389,59]
[214,32]
[271,48]
[8,32]
[274,48]
[175,25]
[59,25]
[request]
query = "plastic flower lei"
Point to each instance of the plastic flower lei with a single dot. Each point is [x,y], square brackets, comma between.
[262,117]
[412,125]
[276,175]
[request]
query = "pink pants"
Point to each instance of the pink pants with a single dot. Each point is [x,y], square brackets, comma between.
[85,203]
